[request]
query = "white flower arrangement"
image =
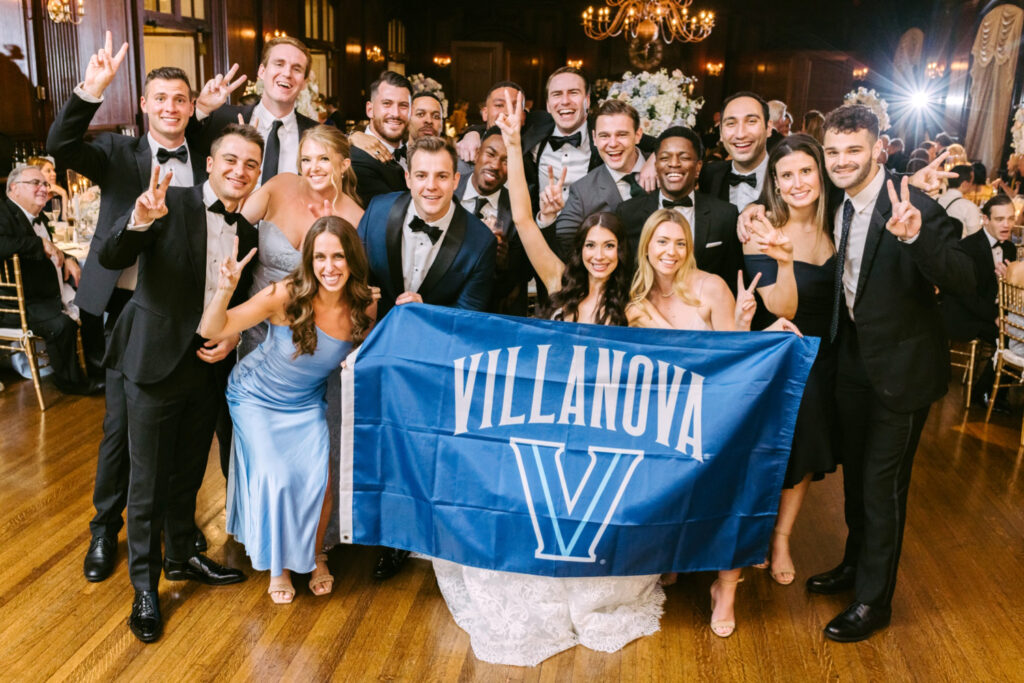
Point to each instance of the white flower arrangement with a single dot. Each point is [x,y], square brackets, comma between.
[422,83]
[1018,130]
[871,100]
[662,99]
[309,102]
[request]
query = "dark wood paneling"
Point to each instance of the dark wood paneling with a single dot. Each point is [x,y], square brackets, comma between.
[475,67]
[243,36]
[60,46]
[120,101]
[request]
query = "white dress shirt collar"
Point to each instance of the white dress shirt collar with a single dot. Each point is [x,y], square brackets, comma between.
[182,170]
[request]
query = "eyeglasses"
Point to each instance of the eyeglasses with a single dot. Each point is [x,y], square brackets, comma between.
[33,183]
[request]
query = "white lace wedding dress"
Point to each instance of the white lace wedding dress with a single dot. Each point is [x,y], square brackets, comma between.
[522,620]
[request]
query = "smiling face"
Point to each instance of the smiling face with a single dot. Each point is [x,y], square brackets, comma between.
[426,117]
[616,141]
[49,172]
[234,168]
[432,180]
[490,170]
[388,112]
[30,191]
[567,102]
[1000,223]
[744,132]
[798,179]
[329,263]
[850,159]
[600,252]
[666,252]
[677,166]
[168,106]
[500,101]
[283,74]
[320,164]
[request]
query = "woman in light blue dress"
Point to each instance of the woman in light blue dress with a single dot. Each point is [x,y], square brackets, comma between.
[278,478]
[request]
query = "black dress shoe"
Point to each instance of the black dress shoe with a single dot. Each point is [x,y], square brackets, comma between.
[857,622]
[200,542]
[835,581]
[145,621]
[390,563]
[202,569]
[86,387]
[100,558]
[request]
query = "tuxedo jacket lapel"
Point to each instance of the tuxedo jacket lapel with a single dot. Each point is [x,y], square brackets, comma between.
[505,212]
[879,217]
[607,189]
[450,246]
[194,220]
[702,220]
[144,161]
[464,176]
[393,242]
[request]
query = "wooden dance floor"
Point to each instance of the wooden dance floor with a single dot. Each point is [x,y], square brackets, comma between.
[957,612]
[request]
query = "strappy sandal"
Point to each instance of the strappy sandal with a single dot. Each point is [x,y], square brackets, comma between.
[279,584]
[322,580]
[782,575]
[722,628]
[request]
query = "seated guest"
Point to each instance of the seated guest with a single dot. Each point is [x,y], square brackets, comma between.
[930,148]
[973,316]
[677,162]
[778,124]
[482,192]
[58,195]
[44,270]
[383,170]
[956,205]
[814,125]
[897,161]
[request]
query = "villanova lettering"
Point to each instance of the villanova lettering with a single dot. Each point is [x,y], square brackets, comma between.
[601,389]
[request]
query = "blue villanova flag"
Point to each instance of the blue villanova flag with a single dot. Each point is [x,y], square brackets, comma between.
[566,449]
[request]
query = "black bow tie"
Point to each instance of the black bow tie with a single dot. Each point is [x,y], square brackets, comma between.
[230,217]
[399,153]
[417,224]
[735,179]
[557,141]
[669,203]
[164,155]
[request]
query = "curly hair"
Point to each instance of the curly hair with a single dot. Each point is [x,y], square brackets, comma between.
[643,281]
[611,310]
[303,286]
[334,141]
[850,118]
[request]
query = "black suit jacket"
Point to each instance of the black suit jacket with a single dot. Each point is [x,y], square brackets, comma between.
[201,134]
[712,179]
[901,337]
[121,166]
[973,316]
[158,326]
[42,289]
[375,177]
[716,247]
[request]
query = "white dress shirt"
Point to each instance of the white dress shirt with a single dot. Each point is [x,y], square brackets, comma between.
[687,211]
[964,210]
[576,160]
[489,210]
[743,194]
[997,251]
[863,208]
[418,253]
[621,184]
[287,137]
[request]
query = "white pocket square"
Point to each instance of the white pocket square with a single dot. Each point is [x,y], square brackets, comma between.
[712,244]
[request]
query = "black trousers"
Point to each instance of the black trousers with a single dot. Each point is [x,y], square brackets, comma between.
[878,453]
[60,333]
[170,426]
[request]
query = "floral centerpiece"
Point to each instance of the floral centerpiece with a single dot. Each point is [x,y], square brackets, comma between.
[310,102]
[871,100]
[421,83]
[662,99]
[1017,130]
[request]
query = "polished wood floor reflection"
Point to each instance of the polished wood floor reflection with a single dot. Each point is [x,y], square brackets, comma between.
[957,612]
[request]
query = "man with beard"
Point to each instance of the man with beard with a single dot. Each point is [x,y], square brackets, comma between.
[382,171]
[713,221]
[895,246]
[427,116]
[744,134]
[482,192]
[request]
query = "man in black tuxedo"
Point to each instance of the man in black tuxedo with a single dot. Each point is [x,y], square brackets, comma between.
[895,246]
[382,169]
[482,192]
[284,69]
[745,137]
[423,247]
[44,271]
[174,379]
[973,316]
[712,221]
[121,166]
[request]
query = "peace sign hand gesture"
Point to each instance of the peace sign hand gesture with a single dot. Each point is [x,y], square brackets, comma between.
[231,269]
[103,67]
[745,302]
[217,90]
[770,240]
[510,122]
[929,179]
[150,205]
[552,201]
[905,222]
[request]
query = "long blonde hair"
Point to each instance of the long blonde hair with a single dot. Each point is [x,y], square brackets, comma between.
[335,141]
[644,279]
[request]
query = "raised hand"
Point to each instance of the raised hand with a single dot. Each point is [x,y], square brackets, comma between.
[770,240]
[150,205]
[905,221]
[510,122]
[217,90]
[931,176]
[103,67]
[552,201]
[745,302]
[231,269]
[324,209]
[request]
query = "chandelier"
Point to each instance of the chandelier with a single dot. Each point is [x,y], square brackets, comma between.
[62,12]
[647,20]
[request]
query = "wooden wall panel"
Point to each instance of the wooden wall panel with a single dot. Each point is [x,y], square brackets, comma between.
[59,47]
[243,36]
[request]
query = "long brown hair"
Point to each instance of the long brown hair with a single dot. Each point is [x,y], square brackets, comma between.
[334,141]
[778,210]
[303,286]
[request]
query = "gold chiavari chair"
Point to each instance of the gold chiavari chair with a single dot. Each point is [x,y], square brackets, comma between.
[19,339]
[963,358]
[1009,356]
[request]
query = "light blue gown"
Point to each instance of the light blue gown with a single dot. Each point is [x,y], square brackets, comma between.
[278,472]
